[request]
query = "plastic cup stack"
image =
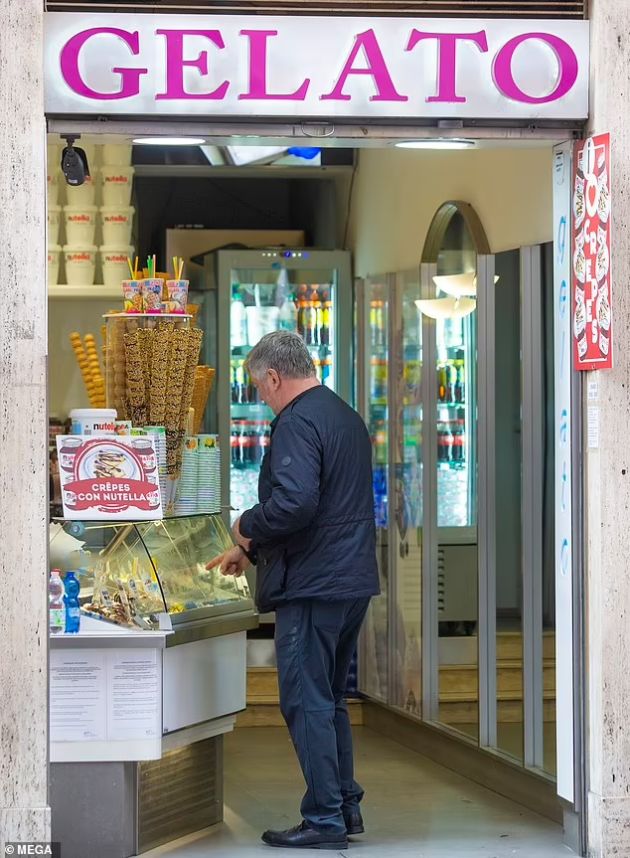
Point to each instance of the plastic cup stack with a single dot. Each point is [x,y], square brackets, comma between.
[209,474]
[158,433]
[186,503]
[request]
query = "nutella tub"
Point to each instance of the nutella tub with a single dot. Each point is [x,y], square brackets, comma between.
[116,155]
[54,219]
[80,224]
[85,194]
[117,222]
[114,262]
[116,183]
[54,252]
[80,264]
[93,421]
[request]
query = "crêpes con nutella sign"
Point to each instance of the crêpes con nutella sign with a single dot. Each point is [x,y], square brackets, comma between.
[108,478]
[315,67]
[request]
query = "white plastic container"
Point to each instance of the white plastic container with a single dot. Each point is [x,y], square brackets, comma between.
[90,149]
[114,263]
[54,219]
[116,184]
[117,223]
[116,154]
[54,253]
[80,264]
[53,185]
[93,421]
[80,224]
[85,194]
[261,321]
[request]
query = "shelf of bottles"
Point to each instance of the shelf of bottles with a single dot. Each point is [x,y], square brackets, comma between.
[378,389]
[454,340]
[285,302]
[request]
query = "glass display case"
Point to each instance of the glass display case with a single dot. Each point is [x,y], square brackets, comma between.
[141,574]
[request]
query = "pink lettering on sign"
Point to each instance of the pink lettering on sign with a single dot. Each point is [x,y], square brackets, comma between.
[258,70]
[129,77]
[447,60]
[376,69]
[567,64]
[175,65]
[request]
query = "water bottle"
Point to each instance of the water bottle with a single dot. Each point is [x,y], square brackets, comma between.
[55,603]
[238,319]
[71,601]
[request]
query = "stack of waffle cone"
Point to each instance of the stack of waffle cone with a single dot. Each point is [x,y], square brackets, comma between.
[204,376]
[89,364]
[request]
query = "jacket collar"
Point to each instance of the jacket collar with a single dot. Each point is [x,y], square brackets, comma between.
[292,403]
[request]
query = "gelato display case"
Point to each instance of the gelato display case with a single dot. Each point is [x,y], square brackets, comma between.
[142,694]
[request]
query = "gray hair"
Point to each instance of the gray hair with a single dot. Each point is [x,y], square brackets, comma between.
[283,351]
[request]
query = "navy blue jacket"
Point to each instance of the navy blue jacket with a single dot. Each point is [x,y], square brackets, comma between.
[313,529]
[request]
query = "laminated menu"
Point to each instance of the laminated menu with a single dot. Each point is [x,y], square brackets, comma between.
[109,478]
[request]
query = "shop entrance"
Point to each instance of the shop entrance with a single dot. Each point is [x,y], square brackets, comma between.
[437,266]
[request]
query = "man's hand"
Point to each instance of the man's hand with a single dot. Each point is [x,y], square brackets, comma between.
[238,537]
[231,562]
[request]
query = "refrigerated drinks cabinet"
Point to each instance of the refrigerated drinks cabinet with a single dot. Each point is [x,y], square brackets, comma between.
[251,293]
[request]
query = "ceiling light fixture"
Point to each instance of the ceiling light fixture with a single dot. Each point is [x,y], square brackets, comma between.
[447,308]
[169,141]
[437,143]
[459,285]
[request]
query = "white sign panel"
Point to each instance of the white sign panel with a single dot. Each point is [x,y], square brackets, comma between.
[78,694]
[315,67]
[565,728]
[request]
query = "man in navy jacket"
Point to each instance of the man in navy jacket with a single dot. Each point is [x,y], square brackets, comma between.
[312,536]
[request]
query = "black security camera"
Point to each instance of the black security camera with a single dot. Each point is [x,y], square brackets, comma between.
[74,163]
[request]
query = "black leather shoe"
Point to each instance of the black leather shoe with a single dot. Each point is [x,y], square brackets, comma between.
[354,822]
[305,837]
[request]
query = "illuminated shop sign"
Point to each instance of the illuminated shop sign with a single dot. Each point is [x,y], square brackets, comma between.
[315,67]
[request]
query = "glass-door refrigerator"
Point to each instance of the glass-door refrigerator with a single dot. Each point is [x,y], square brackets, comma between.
[305,291]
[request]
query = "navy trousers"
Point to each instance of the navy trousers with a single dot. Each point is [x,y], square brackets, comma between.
[315,642]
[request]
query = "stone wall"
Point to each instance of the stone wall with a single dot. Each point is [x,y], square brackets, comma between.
[608,467]
[24,814]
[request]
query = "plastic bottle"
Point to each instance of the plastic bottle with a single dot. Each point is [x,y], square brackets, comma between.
[55,602]
[318,317]
[302,307]
[238,319]
[71,601]
[288,316]
[326,319]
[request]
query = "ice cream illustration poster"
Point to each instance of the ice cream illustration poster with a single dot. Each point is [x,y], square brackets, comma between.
[591,263]
[109,478]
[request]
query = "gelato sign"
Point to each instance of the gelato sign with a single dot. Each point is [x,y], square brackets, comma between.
[108,478]
[315,67]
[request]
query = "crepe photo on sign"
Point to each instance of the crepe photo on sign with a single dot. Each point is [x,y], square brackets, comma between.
[105,478]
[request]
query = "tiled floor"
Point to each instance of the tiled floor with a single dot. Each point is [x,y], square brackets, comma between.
[413,808]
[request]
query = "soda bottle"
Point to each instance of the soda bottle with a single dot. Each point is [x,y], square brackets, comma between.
[287,318]
[55,602]
[460,384]
[442,383]
[241,386]
[235,449]
[71,601]
[451,383]
[458,443]
[234,385]
[318,316]
[264,439]
[326,319]
[302,304]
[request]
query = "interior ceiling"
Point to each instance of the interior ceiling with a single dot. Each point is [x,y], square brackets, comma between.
[408,8]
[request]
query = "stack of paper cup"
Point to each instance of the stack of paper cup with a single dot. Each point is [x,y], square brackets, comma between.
[117,222]
[80,264]
[114,262]
[158,433]
[186,503]
[209,474]
[85,194]
[54,219]
[116,184]
[54,252]
[80,224]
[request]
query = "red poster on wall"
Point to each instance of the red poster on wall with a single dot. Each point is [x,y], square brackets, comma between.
[591,221]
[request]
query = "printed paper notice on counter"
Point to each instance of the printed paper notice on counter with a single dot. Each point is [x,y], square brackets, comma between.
[77,696]
[134,703]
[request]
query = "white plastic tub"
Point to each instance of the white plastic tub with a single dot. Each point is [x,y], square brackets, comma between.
[80,225]
[93,421]
[80,264]
[54,253]
[85,194]
[54,219]
[116,184]
[114,263]
[117,223]
[116,154]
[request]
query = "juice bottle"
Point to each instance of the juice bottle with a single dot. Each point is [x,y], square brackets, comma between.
[55,603]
